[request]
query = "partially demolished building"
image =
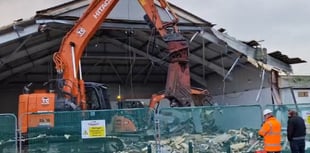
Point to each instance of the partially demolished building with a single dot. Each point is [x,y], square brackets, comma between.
[131,59]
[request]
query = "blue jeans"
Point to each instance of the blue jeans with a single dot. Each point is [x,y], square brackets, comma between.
[297,146]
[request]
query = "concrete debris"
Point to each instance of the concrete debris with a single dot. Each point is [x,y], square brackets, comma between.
[233,141]
[222,138]
[238,146]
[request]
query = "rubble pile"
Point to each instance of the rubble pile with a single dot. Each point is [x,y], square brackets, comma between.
[233,141]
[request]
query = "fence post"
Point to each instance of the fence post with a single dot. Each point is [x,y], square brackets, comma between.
[149,148]
[190,147]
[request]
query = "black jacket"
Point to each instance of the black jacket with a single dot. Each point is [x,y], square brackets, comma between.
[295,127]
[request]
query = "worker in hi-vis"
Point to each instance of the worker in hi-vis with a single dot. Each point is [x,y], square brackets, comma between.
[271,132]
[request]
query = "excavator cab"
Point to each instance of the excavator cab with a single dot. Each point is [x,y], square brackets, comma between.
[36,108]
[97,97]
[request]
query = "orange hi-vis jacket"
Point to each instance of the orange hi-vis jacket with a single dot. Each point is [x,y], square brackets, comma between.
[271,131]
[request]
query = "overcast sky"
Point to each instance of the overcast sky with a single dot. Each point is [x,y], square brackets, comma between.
[284,25]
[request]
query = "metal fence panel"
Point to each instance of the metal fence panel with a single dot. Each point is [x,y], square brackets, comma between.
[210,128]
[89,132]
[8,133]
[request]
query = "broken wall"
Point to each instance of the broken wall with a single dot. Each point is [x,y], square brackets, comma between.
[243,88]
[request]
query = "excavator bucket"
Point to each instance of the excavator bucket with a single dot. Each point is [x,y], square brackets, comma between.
[122,124]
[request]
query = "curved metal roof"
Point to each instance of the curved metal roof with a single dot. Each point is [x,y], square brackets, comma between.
[123,49]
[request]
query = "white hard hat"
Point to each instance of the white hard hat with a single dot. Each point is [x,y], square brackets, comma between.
[266,111]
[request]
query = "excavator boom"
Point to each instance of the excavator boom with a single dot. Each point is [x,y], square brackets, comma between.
[67,59]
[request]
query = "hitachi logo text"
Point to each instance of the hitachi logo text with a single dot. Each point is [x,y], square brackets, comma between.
[101,8]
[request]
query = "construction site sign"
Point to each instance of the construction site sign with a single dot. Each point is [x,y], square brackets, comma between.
[93,129]
[306,116]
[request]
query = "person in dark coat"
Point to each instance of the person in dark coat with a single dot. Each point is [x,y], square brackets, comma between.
[296,132]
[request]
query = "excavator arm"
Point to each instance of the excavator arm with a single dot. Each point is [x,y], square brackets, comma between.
[154,18]
[178,89]
[67,59]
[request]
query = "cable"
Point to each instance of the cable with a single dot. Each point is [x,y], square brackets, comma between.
[152,36]
[203,60]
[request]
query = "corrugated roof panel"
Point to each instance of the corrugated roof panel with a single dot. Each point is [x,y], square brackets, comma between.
[284,58]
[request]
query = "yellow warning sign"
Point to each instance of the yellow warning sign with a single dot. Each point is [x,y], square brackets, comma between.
[308,119]
[96,131]
[93,129]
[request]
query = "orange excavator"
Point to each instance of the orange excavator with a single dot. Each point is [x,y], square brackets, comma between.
[72,93]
